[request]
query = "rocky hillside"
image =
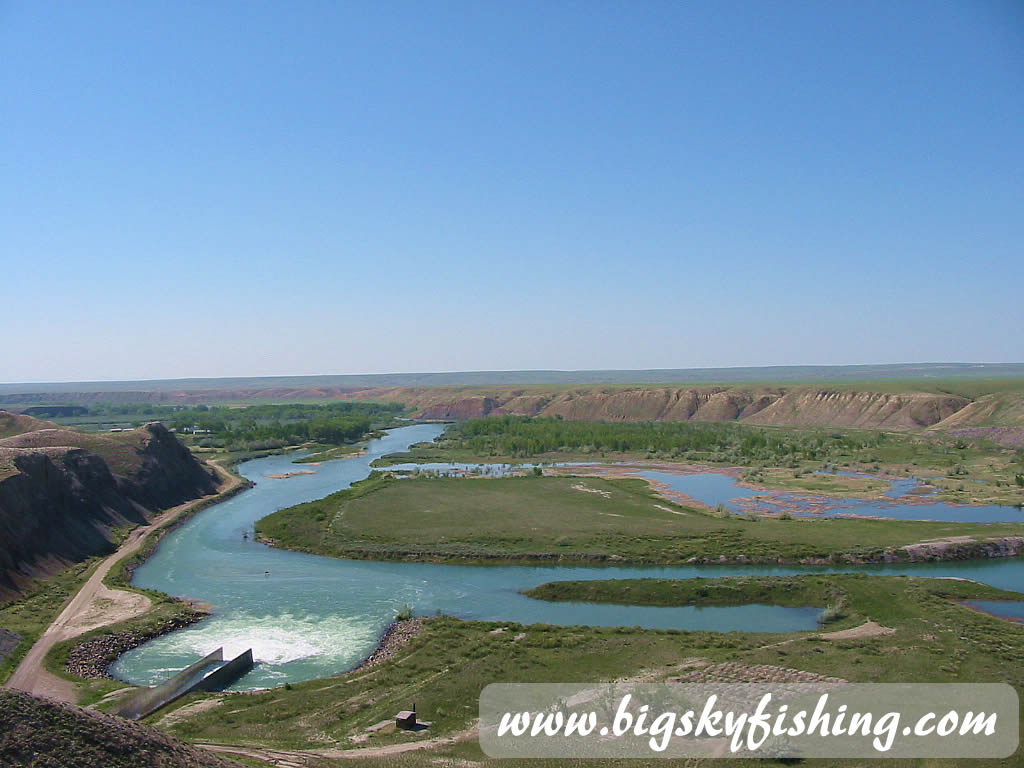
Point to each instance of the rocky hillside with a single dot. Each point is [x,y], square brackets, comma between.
[39,733]
[62,492]
[797,406]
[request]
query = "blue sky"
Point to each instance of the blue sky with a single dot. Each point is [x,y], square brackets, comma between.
[251,188]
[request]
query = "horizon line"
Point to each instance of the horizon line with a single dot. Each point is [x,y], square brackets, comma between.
[521,371]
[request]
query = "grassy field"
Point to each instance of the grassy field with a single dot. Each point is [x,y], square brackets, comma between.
[450,661]
[570,518]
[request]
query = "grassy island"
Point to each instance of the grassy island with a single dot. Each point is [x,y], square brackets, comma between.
[583,519]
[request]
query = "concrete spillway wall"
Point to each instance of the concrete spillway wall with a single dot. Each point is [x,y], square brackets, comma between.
[196,677]
[151,699]
[226,675]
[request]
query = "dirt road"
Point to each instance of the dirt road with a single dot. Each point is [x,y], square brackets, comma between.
[96,605]
[295,758]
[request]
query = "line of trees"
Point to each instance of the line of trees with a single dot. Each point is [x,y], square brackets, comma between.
[270,425]
[522,436]
[330,423]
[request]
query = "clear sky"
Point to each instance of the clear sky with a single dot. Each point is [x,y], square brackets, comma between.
[255,188]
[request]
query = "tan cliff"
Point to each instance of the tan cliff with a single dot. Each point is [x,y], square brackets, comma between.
[912,410]
[794,406]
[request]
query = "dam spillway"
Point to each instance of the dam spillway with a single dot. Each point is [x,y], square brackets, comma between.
[195,677]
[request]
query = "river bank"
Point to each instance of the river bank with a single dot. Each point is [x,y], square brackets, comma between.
[90,659]
[393,641]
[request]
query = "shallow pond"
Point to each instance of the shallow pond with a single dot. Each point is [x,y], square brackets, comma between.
[714,488]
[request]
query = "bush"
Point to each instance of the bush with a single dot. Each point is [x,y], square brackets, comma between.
[833,612]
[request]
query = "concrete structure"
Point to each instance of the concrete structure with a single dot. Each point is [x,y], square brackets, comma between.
[221,678]
[196,677]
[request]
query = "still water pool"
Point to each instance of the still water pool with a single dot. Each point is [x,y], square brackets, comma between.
[714,488]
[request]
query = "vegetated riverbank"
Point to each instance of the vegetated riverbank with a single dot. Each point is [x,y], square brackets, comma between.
[335,713]
[961,470]
[28,615]
[311,452]
[822,591]
[597,520]
[923,634]
[444,672]
[315,453]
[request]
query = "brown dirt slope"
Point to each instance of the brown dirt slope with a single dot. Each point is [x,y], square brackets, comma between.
[41,733]
[860,409]
[1002,409]
[120,450]
[16,423]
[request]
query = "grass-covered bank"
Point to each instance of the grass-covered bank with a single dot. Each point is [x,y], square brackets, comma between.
[821,590]
[29,615]
[742,590]
[444,668]
[522,519]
